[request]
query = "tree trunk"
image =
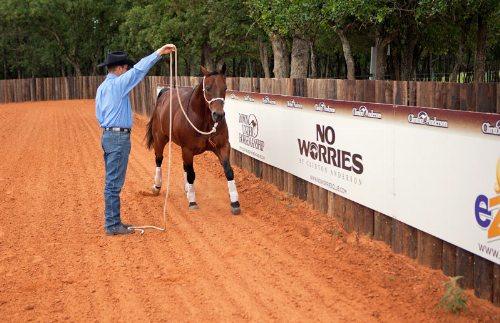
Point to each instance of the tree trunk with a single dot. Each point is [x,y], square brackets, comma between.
[431,67]
[460,50]
[408,60]
[207,53]
[5,76]
[349,58]
[191,67]
[76,66]
[314,67]
[417,51]
[327,65]
[396,65]
[480,54]
[339,64]
[281,56]
[381,42]
[300,56]
[63,68]
[264,58]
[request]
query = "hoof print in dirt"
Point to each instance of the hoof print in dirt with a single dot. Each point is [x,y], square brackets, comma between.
[193,206]
[235,208]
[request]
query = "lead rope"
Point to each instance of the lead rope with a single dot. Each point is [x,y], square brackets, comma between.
[169,155]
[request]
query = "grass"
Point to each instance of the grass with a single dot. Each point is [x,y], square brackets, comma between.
[454,297]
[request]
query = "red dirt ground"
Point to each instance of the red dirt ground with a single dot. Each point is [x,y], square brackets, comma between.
[278,261]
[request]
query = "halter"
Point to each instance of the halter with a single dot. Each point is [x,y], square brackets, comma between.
[214,99]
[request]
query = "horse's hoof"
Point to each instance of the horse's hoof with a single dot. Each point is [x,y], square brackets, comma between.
[156,190]
[193,206]
[235,208]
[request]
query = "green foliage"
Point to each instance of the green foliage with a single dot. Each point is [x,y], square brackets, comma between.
[454,298]
[43,38]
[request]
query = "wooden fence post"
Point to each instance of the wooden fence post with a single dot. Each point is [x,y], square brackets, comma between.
[430,250]
[483,278]
[465,268]
[382,228]
[496,285]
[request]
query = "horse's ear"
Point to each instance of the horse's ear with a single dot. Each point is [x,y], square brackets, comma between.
[223,69]
[204,70]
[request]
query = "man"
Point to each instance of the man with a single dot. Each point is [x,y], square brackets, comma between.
[113,111]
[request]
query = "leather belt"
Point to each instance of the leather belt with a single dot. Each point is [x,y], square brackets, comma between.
[117,129]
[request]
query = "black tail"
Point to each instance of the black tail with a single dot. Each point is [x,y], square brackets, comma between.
[149,133]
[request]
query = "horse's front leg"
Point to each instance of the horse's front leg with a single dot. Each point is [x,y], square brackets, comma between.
[189,177]
[223,155]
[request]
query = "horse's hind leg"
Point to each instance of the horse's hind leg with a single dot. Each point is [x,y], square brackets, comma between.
[189,177]
[223,155]
[158,175]
[159,147]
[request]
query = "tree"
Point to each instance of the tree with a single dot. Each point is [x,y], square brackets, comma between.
[272,17]
[340,15]
[80,28]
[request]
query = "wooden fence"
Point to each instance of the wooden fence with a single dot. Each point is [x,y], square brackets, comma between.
[479,274]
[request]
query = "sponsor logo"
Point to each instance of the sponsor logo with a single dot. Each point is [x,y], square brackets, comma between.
[267,100]
[423,118]
[322,107]
[364,112]
[323,156]
[250,131]
[293,104]
[248,98]
[491,130]
[234,96]
[486,210]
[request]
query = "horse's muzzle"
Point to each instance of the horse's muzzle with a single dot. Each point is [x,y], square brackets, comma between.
[218,116]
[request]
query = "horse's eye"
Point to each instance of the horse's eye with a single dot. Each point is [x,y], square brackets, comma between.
[208,88]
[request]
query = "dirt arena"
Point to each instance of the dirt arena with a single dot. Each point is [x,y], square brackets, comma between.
[278,261]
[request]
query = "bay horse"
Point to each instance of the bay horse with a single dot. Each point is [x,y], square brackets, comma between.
[204,106]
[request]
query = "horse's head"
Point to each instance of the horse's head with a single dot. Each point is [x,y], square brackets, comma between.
[214,91]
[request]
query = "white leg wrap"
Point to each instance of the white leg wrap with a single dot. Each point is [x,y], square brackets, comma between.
[185,182]
[233,193]
[158,177]
[190,193]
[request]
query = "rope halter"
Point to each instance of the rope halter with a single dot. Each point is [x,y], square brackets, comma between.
[214,99]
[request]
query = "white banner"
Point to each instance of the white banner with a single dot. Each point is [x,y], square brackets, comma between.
[435,170]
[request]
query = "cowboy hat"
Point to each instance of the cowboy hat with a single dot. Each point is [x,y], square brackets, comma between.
[117,58]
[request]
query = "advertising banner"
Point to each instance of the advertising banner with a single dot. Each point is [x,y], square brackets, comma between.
[436,170]
[447,170]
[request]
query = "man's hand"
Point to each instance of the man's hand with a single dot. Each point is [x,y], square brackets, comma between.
[166,49]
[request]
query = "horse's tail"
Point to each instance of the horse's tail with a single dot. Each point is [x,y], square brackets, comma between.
[149,133]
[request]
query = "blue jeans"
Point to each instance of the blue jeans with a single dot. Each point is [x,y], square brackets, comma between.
[116,147]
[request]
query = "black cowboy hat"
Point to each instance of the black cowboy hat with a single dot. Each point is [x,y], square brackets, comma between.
[117,58]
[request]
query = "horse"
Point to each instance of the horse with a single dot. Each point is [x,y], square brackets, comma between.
[204,106]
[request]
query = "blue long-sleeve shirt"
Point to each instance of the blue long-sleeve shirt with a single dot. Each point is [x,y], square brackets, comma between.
[112,103]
